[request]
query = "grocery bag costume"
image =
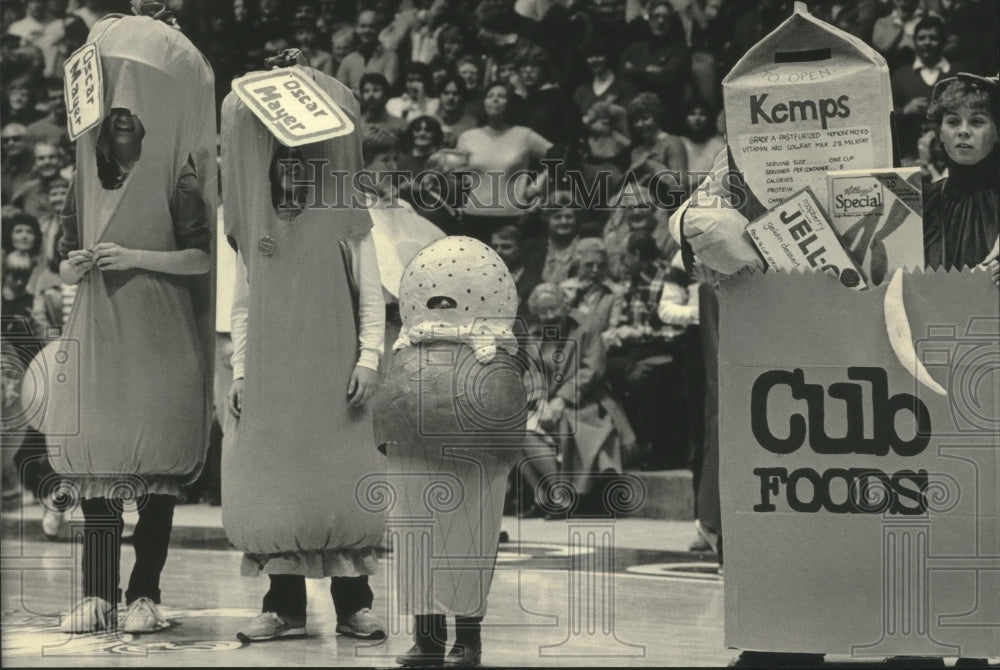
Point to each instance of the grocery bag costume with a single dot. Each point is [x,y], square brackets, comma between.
[293,471]
[130,391]
[452,413]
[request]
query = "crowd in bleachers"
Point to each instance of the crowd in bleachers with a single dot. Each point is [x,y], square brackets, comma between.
[618,92]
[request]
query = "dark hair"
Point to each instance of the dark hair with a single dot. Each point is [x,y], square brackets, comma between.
[422,70]
[642,243]
[435,127]
[532,54]
[508,114]
[934,22]
[376,78]
[451,33]
[510,233]
[645,104]
[964,93]
[463,91]
[376,139]
[21,219]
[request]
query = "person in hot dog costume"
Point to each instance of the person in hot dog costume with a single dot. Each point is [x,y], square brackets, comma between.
[129,396]
[308,324]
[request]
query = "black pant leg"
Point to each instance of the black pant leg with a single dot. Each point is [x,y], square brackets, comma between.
[287,596]
[102,542]
[150,540]
[350,594]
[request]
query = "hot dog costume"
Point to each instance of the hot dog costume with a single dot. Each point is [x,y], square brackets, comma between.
[129,389]
[292,469]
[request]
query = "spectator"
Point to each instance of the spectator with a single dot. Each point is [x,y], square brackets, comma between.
[18,325]
[606,151]
[588,291]
[643,357]
[508,242]
[559,251]
[893,35]
[470,69]
[435,192]
[369,56]
[50,224]
[92,10]
[32,26]
[52,127]
[661,61]
[604,85]
[341,43]
[573,405]
[307,39]
[423,137]
[19,101]
[453,109]
[702,142]
[452,44]
[417,99]
[546,108]
[635,212]
[31,197]
[912,84]
[499,155]
[653,149]
[374,95]
[16,160]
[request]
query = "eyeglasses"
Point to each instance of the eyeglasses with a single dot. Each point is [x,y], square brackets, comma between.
[12,138]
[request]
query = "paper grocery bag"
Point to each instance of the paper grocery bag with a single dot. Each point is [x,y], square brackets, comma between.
[861,509]
[806,99]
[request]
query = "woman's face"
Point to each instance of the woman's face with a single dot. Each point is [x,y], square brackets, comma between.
[495,102]
[591,268]
[696,120]
[562,223]
[597,63]
[415,86]
[18,98]
[968,135]
[453,50]
[22,237]
[645,127]
[470,75]
[450,97]
[423,136]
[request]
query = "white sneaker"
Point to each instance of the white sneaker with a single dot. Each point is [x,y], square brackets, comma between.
[363,624]
[90,615]
[143,617]
[271,626]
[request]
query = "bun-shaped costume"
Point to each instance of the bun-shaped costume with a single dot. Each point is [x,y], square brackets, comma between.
[130,390]
[452,414]
[292,470]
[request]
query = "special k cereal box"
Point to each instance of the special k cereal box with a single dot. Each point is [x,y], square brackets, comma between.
[878,214]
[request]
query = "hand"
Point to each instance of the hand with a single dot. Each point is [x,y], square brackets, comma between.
[916,106]
[110,256]
[553,411]
[79,263]
[992,262]
[362,387]
[235,397]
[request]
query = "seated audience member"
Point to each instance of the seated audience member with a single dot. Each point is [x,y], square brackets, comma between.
[369,56]
[307,40]
[31,196]
[572,407]
[544,107]
[702,142]
[435,193]
[605,154]
[659,62]
[17,160]
[374,95]
[417,99]
[50,224]
[603,85]
[508,242]
[470,69]
[557,254]
[19,106]
[423,137]
[588,292]
[453,109]
[644,367]
[341,44]
[51,128]
[636,211]
[912,83]
[653,149]
[893,35]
